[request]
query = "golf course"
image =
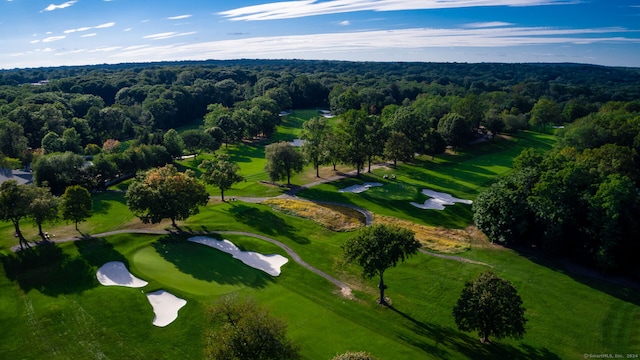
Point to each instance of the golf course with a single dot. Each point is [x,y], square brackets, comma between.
[53,306]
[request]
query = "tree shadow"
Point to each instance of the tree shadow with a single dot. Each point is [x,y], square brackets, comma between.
[102,201]
[48,269]
[98,251]
[619,286]
[447,338]
[208,264]
[266,222]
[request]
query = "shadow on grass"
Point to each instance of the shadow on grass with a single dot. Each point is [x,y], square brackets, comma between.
[266,222]
[48,269]
[208,264]
[101,201]
[98,251]
[447,338]
[621,287]
[392,199]
[247,153]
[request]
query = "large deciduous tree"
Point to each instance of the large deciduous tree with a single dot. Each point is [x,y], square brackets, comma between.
[398,147]
[501,210]
[491,306]
[455,129]
[353,131]
[282,161]
[173,142]
[314,134]
[44,207]
[76,204]
[242,330]
[198,140]
[14,206]
[13,142]
[545,111]
[221,173]
[379,247]
[166,193]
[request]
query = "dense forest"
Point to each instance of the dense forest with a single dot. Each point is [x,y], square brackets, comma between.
[93,125]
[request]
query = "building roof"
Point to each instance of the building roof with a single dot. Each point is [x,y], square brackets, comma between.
[22,177]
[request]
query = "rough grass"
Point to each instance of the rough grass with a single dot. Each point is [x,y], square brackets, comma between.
[334,217]
[436,238]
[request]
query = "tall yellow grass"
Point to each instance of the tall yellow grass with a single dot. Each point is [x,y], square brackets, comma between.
[436,238]
[334,217]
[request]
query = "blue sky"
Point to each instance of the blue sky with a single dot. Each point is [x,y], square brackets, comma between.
[37,33]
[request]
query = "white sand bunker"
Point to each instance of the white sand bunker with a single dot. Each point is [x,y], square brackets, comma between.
[297,142]
[439,200]
[356,189]
[268,263]
[165,306]
[114,273]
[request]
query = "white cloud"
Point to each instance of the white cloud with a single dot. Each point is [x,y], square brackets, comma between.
[395,43]
[345,23]
[53,38]
[167,35]
[106,49]
[127,29]
[179,17]
[52,7]
[303,8]
[488,24]
[89,35]
[105,25]
[158,36]
[34,41]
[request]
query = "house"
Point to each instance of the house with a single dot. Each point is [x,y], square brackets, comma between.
[22,177]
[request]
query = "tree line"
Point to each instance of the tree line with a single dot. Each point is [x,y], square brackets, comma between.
[580,199]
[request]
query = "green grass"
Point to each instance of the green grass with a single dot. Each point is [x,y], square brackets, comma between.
[56,309]
[463,175]
[568,315]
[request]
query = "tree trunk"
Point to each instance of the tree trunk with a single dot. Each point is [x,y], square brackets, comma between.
[222,194]
[21,239]
[173,223]
[381,286]
[40,232]
[369,160]
[317,170]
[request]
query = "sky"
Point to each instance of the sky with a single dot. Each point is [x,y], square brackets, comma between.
[36,33]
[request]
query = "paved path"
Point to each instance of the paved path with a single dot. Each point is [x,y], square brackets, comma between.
[291,194]
[345,290]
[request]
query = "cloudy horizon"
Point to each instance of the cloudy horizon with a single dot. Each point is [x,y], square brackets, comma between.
[80,32]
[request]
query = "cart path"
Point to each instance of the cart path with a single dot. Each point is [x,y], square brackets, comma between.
[345,290]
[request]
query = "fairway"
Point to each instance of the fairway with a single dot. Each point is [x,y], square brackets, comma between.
[568,313]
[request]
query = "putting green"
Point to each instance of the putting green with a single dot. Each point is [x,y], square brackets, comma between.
[195,269]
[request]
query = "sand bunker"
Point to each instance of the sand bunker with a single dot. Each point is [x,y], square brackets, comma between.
[439,200]
[165,306]
[356,189]
[115,273]
[268,263]
[297,142]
